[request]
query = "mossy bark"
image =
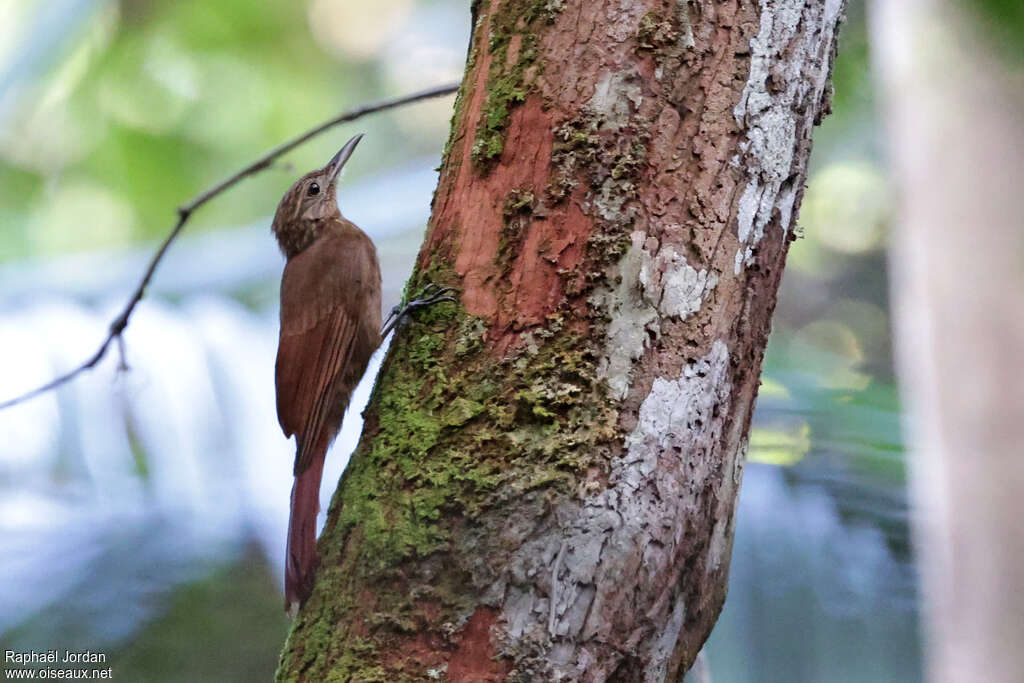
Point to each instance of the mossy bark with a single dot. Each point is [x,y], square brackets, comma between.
[547,477]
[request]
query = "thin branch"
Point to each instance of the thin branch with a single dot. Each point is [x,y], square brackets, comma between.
[185,211]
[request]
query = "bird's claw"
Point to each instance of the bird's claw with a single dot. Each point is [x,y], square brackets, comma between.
[428,296]
[430,287]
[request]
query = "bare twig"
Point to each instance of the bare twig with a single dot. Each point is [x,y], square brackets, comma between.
[185,211]
[122,355]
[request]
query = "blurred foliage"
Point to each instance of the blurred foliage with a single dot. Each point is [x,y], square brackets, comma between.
[826,420]
[828,410]
[1004,22]
[849,131]
[148,103]
[227,627]
[852,89]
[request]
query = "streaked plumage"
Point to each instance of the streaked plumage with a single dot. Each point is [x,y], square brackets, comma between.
[330,327]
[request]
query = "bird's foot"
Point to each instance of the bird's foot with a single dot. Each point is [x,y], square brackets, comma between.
[428,296]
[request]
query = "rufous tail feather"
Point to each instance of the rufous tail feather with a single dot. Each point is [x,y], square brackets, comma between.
[300,555]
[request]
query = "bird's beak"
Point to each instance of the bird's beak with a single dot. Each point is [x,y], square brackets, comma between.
[336,164]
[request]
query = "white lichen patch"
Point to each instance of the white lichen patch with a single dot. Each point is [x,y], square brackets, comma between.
[746,210]
[651,283]
[672,285]
[674,409]
[721,536]
[573,585]
[785,205]
[587,577]
[616,95]
[661,653]
[685,25]
[630,318]
[773,142]
[777,103]
[610,201]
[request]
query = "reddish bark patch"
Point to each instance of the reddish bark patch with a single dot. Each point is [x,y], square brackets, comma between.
[470,217]
[443,235]
[418,652]
[469,226]
[473,661]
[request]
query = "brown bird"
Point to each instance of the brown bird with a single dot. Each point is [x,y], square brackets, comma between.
[330,327]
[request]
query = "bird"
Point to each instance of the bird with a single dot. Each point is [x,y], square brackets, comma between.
[330,328]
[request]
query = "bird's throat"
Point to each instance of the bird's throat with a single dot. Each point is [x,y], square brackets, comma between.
[296,236]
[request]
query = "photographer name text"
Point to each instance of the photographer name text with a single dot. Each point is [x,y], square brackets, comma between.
[54,657]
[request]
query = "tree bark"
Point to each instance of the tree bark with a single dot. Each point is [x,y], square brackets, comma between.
[547,478]
[957,145]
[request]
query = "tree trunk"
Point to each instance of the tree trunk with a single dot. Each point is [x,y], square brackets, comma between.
[547,477]
[957,144]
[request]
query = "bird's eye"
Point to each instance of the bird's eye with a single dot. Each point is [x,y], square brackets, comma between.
[314,189]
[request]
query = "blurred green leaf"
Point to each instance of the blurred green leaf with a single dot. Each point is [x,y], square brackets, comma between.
[1004,23]
[227,627]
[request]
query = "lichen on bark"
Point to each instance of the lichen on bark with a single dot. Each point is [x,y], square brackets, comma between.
[546,481]
[444,443]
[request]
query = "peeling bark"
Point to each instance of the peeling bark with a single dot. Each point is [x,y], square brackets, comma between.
[546,484]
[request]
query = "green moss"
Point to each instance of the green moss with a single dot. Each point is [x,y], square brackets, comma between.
[516,215]
[316,645]
[609,166]
[454,431]
[510,76]
[518,202]
[454,130]
[441,443]
[358,663]
[576,145]
[470,336]
[656,32]
[460,411]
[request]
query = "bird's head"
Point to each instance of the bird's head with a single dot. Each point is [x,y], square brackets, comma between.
[309,201]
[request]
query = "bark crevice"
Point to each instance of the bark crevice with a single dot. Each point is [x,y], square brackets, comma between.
[546,484]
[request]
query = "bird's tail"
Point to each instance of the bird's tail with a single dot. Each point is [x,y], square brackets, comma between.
[300,556]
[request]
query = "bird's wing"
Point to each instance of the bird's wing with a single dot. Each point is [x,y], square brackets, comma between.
[318,334]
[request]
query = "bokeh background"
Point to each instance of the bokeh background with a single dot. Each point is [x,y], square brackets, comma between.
[142,514]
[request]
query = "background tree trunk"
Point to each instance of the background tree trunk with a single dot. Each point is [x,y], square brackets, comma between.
[957,145]
[547,478]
